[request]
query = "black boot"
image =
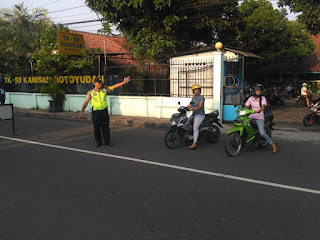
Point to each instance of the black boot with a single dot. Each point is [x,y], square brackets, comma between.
[109,144]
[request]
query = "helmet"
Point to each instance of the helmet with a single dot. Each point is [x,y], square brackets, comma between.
[195,86]
[258,86]
[304,84]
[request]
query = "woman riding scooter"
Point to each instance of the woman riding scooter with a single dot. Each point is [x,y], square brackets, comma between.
[197,106]
[258,103]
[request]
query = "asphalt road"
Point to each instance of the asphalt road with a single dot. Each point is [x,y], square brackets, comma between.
[141,192]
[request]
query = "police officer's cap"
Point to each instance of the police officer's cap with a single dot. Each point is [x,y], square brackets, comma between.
[98,80]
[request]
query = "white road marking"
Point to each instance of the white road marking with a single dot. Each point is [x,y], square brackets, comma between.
[193,170]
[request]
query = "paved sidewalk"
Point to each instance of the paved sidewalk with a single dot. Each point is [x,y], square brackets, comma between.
[289,113]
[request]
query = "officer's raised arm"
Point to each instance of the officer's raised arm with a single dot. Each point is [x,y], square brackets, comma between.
[125,81]
[85,104]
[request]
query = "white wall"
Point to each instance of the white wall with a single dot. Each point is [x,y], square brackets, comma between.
[158,107]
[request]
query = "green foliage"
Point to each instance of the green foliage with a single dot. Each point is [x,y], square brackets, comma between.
[160,27]
[106,29]
[267,32]
[54,90]
[20,34]
[308,10]
[49,62]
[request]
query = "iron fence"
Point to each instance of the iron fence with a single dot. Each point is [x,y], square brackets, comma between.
[172,79]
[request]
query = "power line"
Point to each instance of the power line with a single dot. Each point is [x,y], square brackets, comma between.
[82,20]
[85,30]
[49,3]
[87,26]
[206,4]
[68,9]
[73,15]
[93,20]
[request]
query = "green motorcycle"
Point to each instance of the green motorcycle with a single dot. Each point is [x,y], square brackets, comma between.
[246,131]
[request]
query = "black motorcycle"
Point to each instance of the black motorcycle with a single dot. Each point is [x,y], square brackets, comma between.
[207,130]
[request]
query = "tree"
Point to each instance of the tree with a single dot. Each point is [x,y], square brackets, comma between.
[49,62]
[159,27]
[309,13]
[267,32]
[20,34]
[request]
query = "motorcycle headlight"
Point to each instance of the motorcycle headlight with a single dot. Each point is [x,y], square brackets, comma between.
[173,123]
[238,121]
[243,112]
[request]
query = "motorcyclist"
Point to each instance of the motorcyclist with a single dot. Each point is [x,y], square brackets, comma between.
[198,115]
[258,103]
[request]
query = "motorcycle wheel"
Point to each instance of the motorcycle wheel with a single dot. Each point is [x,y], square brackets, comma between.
[173,139]
[214,135]
[233,144]
[263,143]
[308,120]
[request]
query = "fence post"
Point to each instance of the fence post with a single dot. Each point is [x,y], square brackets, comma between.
[218,78]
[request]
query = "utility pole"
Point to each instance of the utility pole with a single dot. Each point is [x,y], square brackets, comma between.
[105,53]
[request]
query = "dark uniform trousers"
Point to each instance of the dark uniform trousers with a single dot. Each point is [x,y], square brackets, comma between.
[2,99]
[100,119]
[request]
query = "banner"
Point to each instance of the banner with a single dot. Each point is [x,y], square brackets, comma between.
[70,43]
[59,79]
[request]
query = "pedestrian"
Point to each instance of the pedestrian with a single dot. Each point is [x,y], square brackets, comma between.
[2,96]
[304,93]
[289,90]
[100,115]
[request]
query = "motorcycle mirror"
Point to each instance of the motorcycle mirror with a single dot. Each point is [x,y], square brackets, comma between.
[179,102]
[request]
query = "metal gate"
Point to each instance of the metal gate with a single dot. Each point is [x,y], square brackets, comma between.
[185,73]
[233,86]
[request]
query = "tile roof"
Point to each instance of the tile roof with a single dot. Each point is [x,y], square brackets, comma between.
[113,45]
[120,45]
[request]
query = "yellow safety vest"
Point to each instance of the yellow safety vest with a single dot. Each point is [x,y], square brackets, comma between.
[99,99]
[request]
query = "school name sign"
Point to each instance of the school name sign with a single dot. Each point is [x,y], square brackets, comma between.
[59,79]
[70,43]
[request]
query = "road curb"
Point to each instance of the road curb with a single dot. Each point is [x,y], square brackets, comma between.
[52,116]
[141,122]
[87,118]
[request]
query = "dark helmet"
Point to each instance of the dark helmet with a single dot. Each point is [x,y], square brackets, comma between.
[258,86]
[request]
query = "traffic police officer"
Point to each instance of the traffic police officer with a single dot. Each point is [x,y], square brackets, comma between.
[100,115]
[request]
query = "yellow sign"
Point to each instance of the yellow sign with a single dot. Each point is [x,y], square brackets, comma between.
[70,43]
[58,79]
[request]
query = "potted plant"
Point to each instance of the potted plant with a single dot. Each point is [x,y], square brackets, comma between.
[55,91]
